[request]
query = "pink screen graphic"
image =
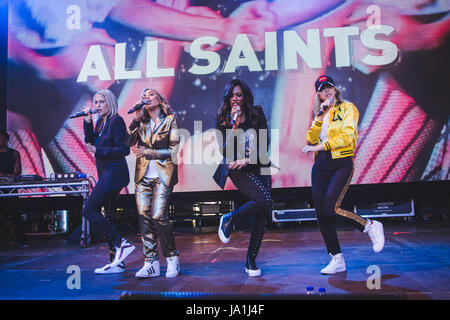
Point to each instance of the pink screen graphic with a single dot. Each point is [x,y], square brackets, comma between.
[387,57]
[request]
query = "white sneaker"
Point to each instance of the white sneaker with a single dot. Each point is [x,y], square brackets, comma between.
[123,252]
[173,267]
[375,231]
[109,269]
[253,273]
[337,264]
[149,270]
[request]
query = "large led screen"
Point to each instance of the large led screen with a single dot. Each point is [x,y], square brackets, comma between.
[390,58]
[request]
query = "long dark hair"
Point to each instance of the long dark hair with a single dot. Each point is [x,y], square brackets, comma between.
[252,113]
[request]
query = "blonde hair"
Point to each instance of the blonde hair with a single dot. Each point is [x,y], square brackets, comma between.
[111,102]
[318,101]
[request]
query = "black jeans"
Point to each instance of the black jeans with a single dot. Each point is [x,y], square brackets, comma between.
[257,189]
[92,209]
[330,180]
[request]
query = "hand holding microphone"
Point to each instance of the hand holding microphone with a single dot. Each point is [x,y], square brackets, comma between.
[235,115]
[138,105]
[83,113]
[325,105]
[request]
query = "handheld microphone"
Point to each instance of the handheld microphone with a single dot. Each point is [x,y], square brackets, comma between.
[235,116]
[138,105]
[324,108]
[82,114]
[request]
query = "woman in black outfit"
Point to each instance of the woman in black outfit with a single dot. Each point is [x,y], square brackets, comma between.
[241,125]
[107,142]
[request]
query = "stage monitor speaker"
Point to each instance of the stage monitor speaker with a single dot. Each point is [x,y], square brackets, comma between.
[288,215]
[386,209]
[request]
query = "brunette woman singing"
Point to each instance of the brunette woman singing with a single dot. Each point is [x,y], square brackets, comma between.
[242,125]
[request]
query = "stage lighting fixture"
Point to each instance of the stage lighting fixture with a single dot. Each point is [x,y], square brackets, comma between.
[68,176]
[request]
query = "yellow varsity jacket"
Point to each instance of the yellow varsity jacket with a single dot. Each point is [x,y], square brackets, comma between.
[342,130]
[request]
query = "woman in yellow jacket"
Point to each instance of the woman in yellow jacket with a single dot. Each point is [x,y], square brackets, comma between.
[332,137]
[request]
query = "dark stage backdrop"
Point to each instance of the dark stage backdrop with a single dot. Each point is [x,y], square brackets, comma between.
[390,58]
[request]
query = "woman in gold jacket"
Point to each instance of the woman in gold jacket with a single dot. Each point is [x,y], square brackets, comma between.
[333,137]
[154,129]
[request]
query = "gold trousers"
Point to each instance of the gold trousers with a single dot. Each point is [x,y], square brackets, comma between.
[152,199]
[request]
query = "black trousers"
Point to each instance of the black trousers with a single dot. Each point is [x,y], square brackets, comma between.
[330,180]
[92,212]
[257,189]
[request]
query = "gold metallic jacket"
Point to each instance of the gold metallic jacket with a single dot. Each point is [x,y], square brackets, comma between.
[161,146]
[342,130]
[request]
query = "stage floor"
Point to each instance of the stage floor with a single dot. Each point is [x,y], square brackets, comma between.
[414,264]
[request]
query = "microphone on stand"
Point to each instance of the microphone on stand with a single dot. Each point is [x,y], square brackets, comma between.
[83,113]
[139,105]
[325,107]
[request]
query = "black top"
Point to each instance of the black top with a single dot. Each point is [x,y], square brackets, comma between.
[247,144]
[111,150]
